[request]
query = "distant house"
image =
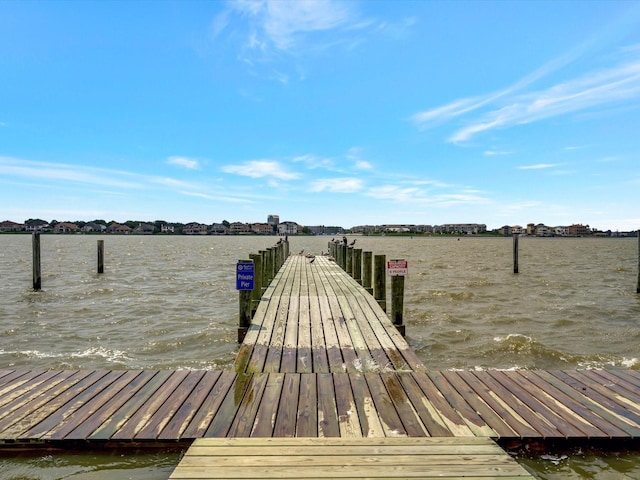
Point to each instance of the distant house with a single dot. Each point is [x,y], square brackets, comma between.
[144,229]
[579,230]
[167,228]
[288,228]
[94,227]
[506,230]
[119,229]
[262,228]
[239,227]
[9,226]
[66,227]
[195,228]
[219,229]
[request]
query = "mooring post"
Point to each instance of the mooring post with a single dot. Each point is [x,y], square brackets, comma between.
[357,265]
[343,257]
[397,302]
[256,293]
[515,253]
[366,271]
[270,263]
[37,272]
[264,279]
[349,268]
[244,311]
[380,281]
[100,256]
[638,285]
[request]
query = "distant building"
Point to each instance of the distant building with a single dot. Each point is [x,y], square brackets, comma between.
[219,229]
[262,228]
[66,227]
[579,230]
[94,227]
[167,228]
[324,230]
[238,227]
[506,230]
[119,229]
[273,220]
[9,226]
[195,228]
[288,228]
[144,229]
[461,228]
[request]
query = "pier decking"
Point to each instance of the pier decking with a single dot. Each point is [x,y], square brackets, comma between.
[321,362]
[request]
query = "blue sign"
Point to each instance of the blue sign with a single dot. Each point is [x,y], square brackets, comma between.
[245,274]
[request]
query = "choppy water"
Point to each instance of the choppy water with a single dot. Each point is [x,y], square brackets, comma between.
[170,302]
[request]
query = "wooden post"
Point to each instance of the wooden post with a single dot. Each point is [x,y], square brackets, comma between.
[343,257]
[264,281]
[256,293]
[244,311]
[366,271]
[397,302]
[100,256]
[380,281]
[37,272]
[349,263]
[515,253]
[638,285]
[270,263]
[357,265]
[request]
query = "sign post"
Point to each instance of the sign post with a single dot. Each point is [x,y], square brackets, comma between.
[245,277]
[397,269]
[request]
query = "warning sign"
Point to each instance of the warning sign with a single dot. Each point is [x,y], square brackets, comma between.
[397,268]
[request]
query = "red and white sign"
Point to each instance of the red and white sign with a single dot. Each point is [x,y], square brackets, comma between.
[397,268]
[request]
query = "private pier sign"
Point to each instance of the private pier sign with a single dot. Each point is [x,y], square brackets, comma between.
[245,275]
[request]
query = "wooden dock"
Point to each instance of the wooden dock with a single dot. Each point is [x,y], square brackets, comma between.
[322,370]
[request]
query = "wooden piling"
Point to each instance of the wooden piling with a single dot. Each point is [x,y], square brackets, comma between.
[343,257]
[100,256]
[515,253]
[264,282]
[256,293]
[366,271]
[37,272]
[349,263]
[244,311]
[357,265]
[380,280]
[397,302]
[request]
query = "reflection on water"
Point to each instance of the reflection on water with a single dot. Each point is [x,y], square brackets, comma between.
[170,302]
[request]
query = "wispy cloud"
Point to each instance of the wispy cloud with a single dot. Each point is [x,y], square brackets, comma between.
[261,168]
[419,196]
[186,162]
[314,161]
[538,166]
[513,106]
[337,185]
[493,153]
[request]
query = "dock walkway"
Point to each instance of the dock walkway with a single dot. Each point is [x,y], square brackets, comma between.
[322,369]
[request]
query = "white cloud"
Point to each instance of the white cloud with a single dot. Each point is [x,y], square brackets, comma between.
[185,162]
[313,161]
[337,185]
[261,168]
[493,153]
[538,166]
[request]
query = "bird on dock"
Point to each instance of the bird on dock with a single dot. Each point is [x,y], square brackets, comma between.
[311,258]
[279,242]
[301,252]
[353,243]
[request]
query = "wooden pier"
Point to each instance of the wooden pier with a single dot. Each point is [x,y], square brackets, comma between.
[324,387]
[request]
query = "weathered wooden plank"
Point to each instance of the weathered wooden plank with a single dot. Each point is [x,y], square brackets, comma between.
[288,409]
[202,419]
[428,413]
[503,395]
[328,425]
[266,415]
[334,351]
[145,413]
[346,407]
[370,422]
[16,387]
[247,410]
[82,415]
[307,416]
[454,422]
[621,390]
[130,406]
[76,399]
[504,412]
[226,412]
[389,417]
[304,357]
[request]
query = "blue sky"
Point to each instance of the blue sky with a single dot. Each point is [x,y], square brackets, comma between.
[323,112]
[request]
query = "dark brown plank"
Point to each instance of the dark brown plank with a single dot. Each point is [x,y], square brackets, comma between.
[202,419]
[349,422]
[389,417]
[247,410]
[427,412]
[190,406]
[288,408]
[370,423]
[222,421]
[268,409]
[130,428]
[327,412]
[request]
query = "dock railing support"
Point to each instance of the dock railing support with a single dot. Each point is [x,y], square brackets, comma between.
[256,293]
[515,253]
[380,281]
[367,258]
[397,302]
[100,256]
[349,265]
[357,265]
[37,272]
[244,310]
